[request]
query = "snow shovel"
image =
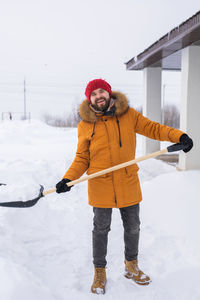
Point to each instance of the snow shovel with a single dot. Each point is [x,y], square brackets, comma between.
[42,193]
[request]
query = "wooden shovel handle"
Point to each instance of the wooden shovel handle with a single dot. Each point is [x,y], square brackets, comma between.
[112,169]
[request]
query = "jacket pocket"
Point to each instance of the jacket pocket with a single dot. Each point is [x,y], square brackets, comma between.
[131,170]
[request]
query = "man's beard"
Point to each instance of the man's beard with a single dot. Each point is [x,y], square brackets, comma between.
[102,107]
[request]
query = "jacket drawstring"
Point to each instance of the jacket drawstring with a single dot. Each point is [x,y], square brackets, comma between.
[120,142]
[93,129]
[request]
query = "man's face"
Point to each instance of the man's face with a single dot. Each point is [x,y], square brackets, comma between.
[100,99]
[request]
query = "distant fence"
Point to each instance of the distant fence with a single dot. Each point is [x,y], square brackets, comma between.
[9,115]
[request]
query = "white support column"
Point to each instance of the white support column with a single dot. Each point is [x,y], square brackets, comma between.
[152,103]
[190,105]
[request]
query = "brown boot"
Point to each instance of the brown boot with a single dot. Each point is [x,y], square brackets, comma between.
[132,271]
[99,283]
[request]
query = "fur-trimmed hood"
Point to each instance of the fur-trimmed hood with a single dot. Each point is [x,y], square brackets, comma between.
[88,115]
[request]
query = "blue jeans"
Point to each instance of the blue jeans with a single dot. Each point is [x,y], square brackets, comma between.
[102,222]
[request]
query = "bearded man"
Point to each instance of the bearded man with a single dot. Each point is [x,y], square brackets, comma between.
[107,137]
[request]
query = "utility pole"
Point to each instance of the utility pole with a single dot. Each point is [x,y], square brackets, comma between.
[24,98]
[163,104]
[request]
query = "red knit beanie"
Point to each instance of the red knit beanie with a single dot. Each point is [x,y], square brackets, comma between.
[97,84]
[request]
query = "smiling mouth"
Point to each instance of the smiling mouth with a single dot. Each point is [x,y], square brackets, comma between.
[100,101]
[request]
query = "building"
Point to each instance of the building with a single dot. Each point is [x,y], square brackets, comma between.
[178,50]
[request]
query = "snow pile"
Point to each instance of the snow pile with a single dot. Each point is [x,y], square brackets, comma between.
[45,251]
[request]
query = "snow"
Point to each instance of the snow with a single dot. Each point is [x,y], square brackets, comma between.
[45,251]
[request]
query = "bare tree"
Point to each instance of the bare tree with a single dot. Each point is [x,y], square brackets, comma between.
[171,116]
[67,120]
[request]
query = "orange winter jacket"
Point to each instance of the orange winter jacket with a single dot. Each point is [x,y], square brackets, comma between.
[106,141]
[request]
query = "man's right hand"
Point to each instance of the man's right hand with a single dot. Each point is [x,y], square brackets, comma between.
[61,186]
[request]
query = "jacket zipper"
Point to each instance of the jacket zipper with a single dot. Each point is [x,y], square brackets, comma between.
[93,129]
[111,162]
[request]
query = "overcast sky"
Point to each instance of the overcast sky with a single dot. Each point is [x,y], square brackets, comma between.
[74,41]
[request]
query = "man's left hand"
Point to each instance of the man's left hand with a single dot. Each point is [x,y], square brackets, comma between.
[186,141]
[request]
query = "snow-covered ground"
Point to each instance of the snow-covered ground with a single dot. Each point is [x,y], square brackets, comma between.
[45,251]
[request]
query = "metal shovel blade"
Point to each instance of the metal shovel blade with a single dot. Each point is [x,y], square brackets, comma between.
[24,204]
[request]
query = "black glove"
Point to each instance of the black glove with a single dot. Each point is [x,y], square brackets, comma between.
[186,141]
[61,186]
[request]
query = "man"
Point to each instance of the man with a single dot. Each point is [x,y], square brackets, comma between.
[107,137]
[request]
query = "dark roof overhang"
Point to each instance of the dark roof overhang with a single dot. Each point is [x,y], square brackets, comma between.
[166,52]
